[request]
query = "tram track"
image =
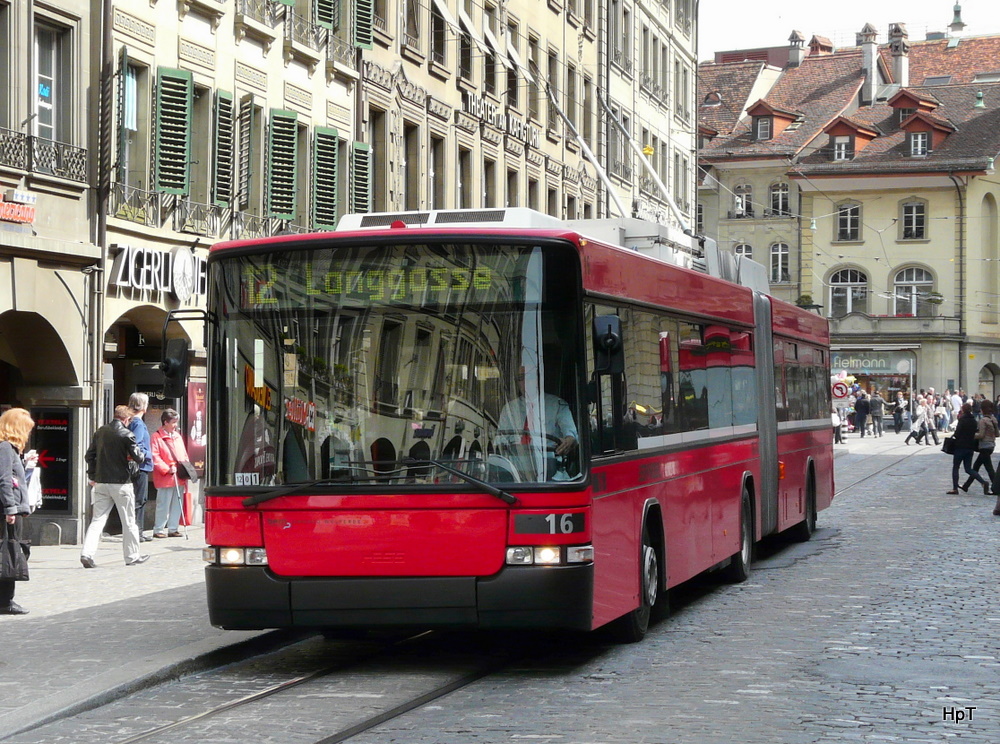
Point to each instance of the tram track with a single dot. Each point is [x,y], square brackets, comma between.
[363,687]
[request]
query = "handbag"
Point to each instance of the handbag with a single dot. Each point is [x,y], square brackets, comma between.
[948,445]
[186,471]
[13,561]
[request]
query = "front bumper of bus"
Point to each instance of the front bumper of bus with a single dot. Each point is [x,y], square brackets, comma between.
[253,597]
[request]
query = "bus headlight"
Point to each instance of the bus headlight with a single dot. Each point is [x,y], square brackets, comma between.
[546,556]
[519,556]
[235,556]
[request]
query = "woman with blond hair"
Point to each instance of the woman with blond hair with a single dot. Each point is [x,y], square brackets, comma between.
[15,428]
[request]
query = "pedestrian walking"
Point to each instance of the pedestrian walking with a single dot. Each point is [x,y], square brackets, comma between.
[15,428]
[918,426]
[965,449]
[877,412]
[986,436]
[168,478]
[862,408]
[138,403]
[837,426]
[110,477]
[898,409]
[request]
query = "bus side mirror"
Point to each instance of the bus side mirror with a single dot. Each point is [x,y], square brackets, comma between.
[175,368]
[609,350]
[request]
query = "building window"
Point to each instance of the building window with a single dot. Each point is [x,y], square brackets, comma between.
[513,197]
[412,170]
[378,138]
[534,89]
[843,148]
[762,127]
[743,201]
[904,114]
[743,249]
[465,184]
[489,183]
[848,222]
[439,36]
[513,76]
[779,200]
[779,263]
[914,221]
[174,104]
[437,173]
[919,143]
[53,99]
[283,162]
[133,125]
[848,293]
[912,289]
[325,202]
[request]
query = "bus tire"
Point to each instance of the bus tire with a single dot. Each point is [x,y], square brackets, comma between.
[804,530]
[632,627]
[738,569]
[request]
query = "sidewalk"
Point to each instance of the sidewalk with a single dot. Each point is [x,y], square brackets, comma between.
[93,634]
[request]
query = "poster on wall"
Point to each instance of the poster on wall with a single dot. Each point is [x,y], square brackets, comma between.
[52,439]
[196,438]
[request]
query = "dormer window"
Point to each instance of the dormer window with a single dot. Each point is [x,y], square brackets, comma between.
[762,127]
[904,114]
[843,147]
[919,143]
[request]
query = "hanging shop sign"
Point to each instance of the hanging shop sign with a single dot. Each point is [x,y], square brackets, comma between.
[18,206]
[179,272]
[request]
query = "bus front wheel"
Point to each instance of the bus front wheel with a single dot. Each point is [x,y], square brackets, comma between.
[632,627]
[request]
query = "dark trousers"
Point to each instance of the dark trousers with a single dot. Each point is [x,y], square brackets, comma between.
[859,421]
[897,421]
[7,585]
[963,457]
[877,424]
[983,461]
[140,484]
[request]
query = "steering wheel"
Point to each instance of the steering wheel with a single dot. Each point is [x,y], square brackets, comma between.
[550,444]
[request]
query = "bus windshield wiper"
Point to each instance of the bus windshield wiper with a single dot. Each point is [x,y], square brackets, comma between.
[260,498]
[483,485]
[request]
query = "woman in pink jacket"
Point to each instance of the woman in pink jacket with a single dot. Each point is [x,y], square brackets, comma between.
[168,449]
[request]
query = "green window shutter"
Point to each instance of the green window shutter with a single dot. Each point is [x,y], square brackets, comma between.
[174,102]
[364,23]
[248,112]
[328,14]
[282,165]
[121,166]
[225,154]
[325,197]
[361,178]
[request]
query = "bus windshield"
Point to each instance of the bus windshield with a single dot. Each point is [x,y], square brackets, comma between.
[389,364]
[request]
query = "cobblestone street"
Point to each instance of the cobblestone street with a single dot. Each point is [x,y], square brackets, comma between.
[884,628]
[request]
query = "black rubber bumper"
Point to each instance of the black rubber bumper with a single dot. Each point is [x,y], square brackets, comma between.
[252,598]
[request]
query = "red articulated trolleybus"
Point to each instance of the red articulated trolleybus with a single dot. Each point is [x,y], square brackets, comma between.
[495,419]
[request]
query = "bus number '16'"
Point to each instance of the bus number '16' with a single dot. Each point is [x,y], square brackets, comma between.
[548,524]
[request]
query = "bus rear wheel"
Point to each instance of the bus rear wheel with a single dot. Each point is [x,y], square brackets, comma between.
[631,628]
[738,569]
[804,530]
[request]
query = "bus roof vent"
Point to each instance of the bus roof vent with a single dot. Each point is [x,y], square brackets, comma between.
[385,219]
[513,217]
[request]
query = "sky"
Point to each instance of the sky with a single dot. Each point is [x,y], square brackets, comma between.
[738,24]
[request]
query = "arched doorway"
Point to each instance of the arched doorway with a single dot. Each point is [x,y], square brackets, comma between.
[989,375]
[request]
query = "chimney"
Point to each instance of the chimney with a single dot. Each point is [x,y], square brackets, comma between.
[869,58]
[957,24]
[796,48]
[899,46]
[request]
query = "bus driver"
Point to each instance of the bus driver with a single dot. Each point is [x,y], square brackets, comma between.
[541,430]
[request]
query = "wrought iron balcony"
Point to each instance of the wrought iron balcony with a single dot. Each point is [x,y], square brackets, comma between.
[247,226]
[198,219]
[13,149]
[262,11]
[58,159]
[340,51]
[301,30]
[621,58]
[135,205]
